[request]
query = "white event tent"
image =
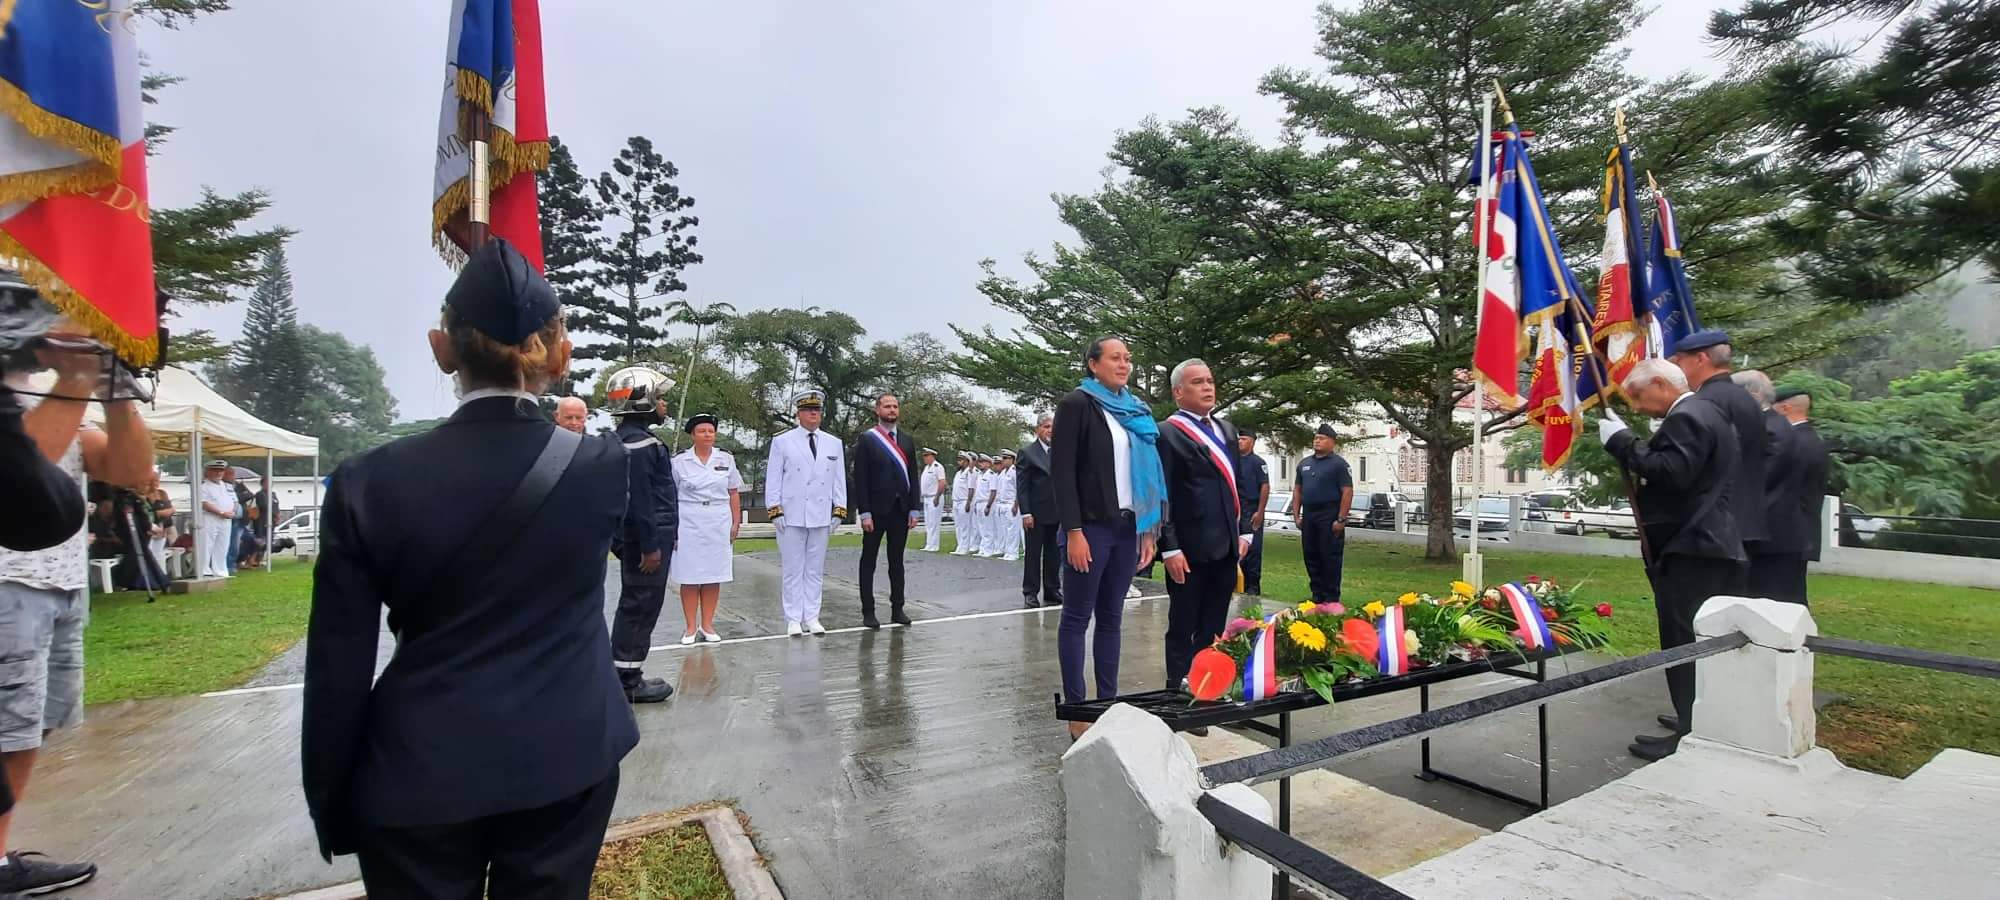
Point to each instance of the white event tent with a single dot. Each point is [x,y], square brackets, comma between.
[189,417]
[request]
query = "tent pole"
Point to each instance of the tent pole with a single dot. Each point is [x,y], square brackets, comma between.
[270,504]
[194,495]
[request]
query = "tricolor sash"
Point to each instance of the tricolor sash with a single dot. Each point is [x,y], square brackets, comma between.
[1260,671]
[1216,455]
[894,451]
[1534,631]
[1394,657]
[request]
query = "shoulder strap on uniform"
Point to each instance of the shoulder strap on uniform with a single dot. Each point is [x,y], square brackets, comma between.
[481,551]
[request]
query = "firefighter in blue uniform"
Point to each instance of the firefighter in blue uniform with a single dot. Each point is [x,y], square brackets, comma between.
[1321,495]
[645,549]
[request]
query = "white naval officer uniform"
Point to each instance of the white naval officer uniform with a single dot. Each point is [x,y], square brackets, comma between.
[702,553]
[982,518]
[961,490]
[1006,518]
[806,477]
[934,493]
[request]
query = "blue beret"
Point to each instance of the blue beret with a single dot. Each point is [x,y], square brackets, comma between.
[500,294]
[1701,340]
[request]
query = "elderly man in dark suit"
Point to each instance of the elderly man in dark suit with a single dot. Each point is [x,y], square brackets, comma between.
[1686,471]
[1777,563]
[1806,460]
[1035,490]
[1207,527]
[1705,358]
[886,497]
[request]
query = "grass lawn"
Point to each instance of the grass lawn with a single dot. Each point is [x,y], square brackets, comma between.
[191,643]
[671,864]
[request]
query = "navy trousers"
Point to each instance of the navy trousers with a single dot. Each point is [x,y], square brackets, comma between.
[1100,594]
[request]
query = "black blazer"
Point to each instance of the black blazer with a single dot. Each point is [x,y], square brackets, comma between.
[1086,485]
[1035,484]
[1204,513]
[1806,454]
[500,695]
[878,490]
[1746,496]
[1686,471]
[1782,484]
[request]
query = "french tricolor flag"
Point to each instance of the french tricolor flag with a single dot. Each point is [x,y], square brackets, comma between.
[1394,656]
[1534,630]
[493,71]
[73,213]
[1260,670]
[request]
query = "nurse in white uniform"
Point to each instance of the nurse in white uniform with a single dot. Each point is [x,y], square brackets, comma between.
[710,515]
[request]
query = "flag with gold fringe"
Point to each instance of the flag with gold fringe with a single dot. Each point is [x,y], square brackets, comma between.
[1621,276]
[493,91]
[74,219]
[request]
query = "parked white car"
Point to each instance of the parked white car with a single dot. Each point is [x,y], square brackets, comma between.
[1575,518]
[303,528]
[1495,514]
[1275,516]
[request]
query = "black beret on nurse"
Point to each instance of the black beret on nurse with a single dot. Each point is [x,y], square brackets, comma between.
[500,294]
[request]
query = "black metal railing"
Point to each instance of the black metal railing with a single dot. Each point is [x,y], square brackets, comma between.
[1296,859]
[1274,764]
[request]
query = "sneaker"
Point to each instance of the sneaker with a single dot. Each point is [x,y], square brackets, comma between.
[29,873]
[792,629]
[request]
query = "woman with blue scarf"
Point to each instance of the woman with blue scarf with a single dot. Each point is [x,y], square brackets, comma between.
[1110,491]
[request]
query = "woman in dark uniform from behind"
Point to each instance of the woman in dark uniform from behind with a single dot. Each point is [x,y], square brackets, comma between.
[485,759]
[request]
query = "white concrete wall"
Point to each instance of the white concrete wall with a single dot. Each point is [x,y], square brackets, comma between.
[1131,829]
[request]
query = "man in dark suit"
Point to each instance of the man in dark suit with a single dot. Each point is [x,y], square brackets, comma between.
[1206,527]
[1704,357]
[1777,563]
[484,759]
[1035,492]
[1686,471]
[1806,457]
[1253,482]
[885,494]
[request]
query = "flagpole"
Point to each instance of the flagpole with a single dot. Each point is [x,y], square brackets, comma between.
[1582,338]
[478,209]
[1473,566]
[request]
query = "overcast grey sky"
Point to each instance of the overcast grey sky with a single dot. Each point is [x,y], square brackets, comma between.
[862,156]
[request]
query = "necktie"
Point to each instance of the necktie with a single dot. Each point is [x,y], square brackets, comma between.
[812,446]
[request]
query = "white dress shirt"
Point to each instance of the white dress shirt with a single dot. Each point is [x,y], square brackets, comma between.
[1121,462]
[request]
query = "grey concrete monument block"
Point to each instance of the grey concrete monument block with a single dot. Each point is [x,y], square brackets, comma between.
[1758,698]
[1131,829]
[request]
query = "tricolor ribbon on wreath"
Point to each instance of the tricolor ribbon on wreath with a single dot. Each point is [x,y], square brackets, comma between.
[1534,630]
[1260,670]
[1394,656]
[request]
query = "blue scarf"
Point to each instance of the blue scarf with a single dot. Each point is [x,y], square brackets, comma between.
[1149,481]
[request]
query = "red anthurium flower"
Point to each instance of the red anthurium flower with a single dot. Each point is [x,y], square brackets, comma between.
[1532,579]
[1549,613]
[1604,610]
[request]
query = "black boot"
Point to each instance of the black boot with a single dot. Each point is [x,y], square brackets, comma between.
[899,617]
[640,689]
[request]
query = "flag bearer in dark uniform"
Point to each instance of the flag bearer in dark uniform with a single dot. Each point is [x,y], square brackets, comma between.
[1322,492]
[1686,471]
[1253,479]
[485,758]
[1705,357]
[645,549]
[1806,453]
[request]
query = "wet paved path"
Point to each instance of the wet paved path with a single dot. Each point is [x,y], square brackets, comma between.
[899,763]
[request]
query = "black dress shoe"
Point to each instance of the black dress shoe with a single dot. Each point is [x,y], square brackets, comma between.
[1674,738]
[648,690]
[1030,601]
[1056,602]
[1199,731]
[899,617]
[869,621]
[1654,750]
[1672,723]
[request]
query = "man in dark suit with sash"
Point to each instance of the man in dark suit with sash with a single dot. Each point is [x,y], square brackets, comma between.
[885,495]
[1206,527]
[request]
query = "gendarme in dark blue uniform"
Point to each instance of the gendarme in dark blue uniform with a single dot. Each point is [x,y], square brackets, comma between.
[1321,495]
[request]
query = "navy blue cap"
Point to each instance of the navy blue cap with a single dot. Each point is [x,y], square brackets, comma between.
[500,294]
[1701,340]
[1328,431]
[1789,393]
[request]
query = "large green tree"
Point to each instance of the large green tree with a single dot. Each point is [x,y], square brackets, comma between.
[648,243]
[267,371]
[572,230]
[1889,140]
[349,407]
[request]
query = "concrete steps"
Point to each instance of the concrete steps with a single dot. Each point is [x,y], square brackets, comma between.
[1937,834]
[1708,822]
